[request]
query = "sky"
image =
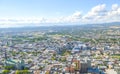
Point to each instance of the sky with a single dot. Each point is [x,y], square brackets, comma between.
[19,13]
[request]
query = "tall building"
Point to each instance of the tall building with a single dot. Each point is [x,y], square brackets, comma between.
[83,67]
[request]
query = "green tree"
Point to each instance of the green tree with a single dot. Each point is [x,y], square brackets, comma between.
[9,67]
[22,72]
[18,72]
[26,72]
[5,71]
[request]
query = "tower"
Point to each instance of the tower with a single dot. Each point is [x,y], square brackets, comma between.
[5,55]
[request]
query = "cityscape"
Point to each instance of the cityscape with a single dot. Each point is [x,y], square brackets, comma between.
[69,49]
[59,37]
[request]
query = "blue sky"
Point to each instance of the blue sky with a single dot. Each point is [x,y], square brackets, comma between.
[62,11]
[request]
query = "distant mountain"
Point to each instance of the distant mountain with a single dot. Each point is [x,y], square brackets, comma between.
[60,27]
[108,24]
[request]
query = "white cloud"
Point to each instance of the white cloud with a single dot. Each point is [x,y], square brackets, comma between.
[115,6]
[99,8]
[113,14]
[74,18]
[77,15]
[97,14]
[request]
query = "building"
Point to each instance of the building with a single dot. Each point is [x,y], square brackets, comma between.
[17,64]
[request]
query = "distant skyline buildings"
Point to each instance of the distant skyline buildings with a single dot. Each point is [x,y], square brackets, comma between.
[13,13]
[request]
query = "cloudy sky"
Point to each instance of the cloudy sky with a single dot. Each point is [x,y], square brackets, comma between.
[17,13]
